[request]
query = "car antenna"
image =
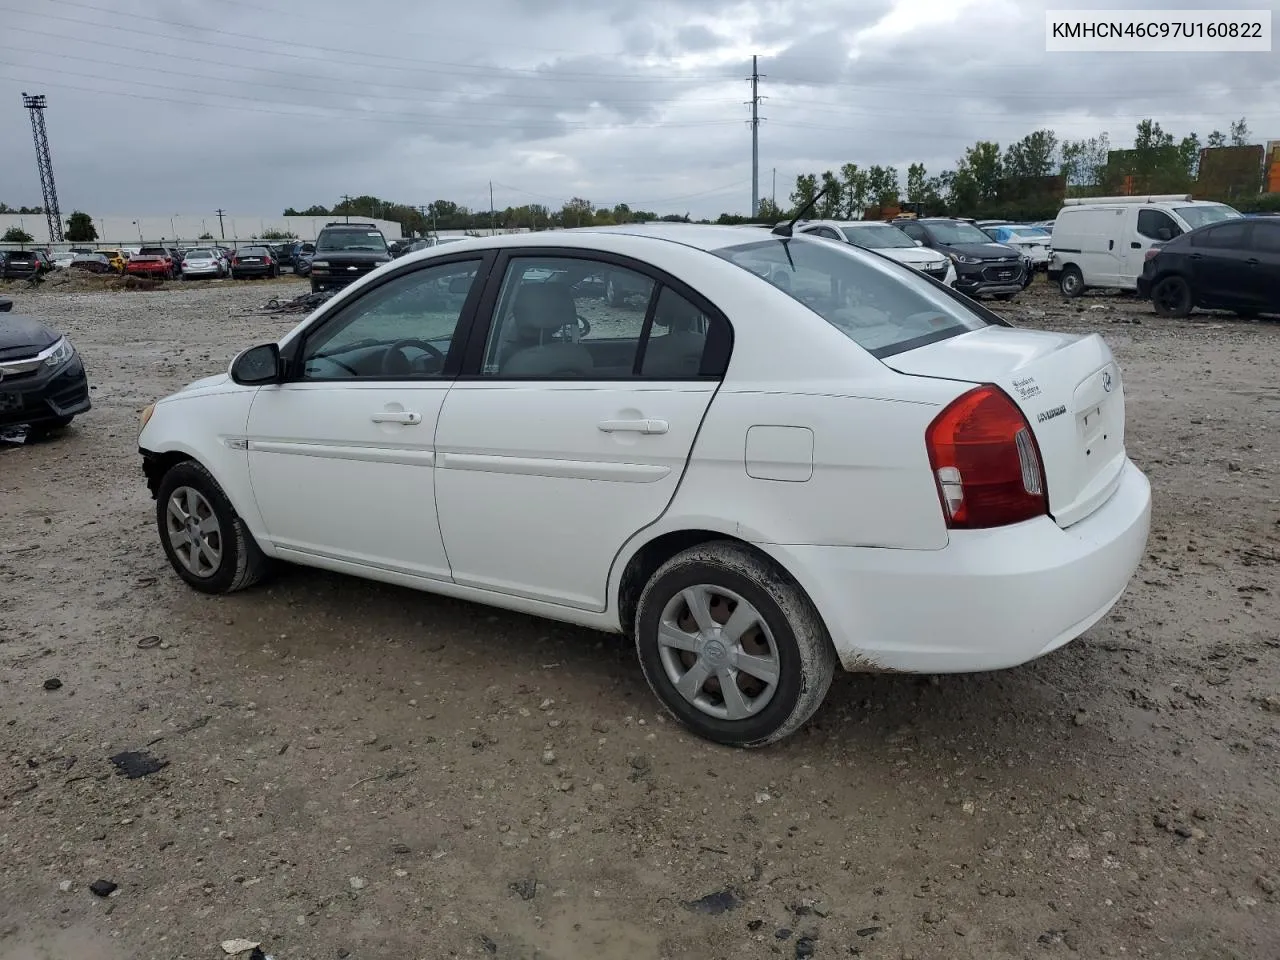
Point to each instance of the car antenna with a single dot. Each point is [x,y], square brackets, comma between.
[786,229]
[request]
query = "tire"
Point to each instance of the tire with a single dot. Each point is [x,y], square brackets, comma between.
[1071,282]
[1171,297]
[47,428]
[238,561]
[315,287]
[788,635]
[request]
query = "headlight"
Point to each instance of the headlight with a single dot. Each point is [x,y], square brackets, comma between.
[147,411]
[319,263]
[961,258]
[60,353]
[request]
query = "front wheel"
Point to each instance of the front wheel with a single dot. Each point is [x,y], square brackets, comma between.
[1071,283]
[315,287]
[732,646]
[1172,297]
[204,538]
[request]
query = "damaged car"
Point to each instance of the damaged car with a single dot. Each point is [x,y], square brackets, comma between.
[43,384]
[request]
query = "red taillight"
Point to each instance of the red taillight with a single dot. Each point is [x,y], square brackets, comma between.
[1150,254]
[986,462]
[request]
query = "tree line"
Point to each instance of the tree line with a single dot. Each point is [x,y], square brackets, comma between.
[1015,182]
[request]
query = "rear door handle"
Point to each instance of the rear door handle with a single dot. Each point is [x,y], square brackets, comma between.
[397,417]
[633,426]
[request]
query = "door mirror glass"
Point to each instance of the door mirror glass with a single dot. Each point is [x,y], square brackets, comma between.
[257,365]
[1164,233]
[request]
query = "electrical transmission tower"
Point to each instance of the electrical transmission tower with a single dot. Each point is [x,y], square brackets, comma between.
[35,105]
[755,78]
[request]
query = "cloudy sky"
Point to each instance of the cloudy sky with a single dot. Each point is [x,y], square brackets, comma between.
[255,105]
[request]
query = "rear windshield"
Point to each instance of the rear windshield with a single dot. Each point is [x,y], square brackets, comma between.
[254,251]
[882,306]
[351,240]
[199,254]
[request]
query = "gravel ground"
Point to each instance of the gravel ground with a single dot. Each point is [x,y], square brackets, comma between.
[361,771]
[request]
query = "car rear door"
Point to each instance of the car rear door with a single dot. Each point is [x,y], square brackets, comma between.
[562,439]
[1221,274]
[1264,263]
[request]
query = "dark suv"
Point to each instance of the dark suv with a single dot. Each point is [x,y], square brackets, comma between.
[20,264]
[345,252]
[983,267]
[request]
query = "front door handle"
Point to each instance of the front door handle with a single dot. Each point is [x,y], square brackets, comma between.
[1135,244]
[397,417]
[633,426]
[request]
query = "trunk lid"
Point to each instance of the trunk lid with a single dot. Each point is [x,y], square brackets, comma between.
[1069,389]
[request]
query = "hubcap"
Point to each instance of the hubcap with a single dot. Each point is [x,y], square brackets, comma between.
[718,652]
[194,531]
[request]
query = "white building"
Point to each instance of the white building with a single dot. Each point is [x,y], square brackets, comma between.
[188,228]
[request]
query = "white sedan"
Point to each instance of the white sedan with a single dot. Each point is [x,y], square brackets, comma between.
[887,240]
[789,455]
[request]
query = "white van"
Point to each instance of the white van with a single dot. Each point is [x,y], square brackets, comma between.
[1102,241]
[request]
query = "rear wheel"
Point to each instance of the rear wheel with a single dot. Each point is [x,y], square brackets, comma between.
[204,538]
[732,646]
[1172,297]
[1071,283]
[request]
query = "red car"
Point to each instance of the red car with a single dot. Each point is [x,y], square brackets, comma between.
[153,262]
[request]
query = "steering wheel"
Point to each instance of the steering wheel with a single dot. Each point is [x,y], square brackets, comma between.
[584,328]
[395,351]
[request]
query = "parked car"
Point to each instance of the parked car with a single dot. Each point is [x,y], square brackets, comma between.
[42,379]
[204,262]
[983,267]
[1034,243]
[63,260]
[253,262]
[758,480]
[118,258]
[1103,241]
[21,265]
[91,263]
[345,252]
[888,240]
[1234,265]
[162,262]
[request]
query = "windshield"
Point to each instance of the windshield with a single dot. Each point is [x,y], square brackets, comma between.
[1198,215]
[877,236]
[955,231]
[882,306]
[351,240]
[1027,233]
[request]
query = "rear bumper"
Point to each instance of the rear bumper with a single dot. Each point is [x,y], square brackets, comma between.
[147,269]
[40,397]
[250,270]
[989,600]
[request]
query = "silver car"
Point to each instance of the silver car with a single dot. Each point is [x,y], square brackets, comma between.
[203,262]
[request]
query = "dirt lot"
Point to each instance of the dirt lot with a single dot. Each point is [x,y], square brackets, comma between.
[367,772]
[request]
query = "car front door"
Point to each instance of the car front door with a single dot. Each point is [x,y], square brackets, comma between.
[1220,272]
[1149,226]
[572,422]
[341,456]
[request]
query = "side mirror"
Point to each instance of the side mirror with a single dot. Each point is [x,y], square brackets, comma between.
[918,243]
[1164,233]
[257,366]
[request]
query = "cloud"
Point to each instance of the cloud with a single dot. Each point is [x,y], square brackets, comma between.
[191,105]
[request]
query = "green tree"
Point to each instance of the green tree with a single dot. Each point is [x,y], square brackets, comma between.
[768,211]
[274,234]
[1215,140]
[80,228]
[1032,156]
[1189,155]
[882,185]
[577,213]
[917,183]
[17,235]
[806,189]
[985,168]
[830,206]
[854,180]
[205,236]
[1239,133]
[1082,161]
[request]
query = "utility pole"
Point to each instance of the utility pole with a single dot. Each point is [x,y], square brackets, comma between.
[35,104]
[755,79]
[221,229]
[492,228]
[773,197]
[346,201]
